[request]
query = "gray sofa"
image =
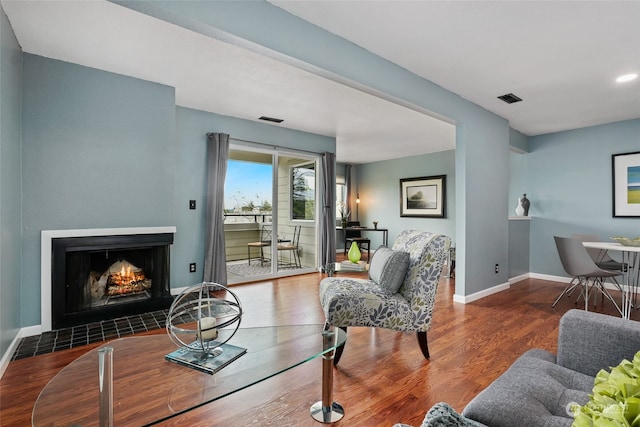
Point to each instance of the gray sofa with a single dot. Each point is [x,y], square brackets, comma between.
[539,386]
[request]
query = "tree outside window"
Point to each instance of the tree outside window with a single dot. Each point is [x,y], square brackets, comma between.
[303,192]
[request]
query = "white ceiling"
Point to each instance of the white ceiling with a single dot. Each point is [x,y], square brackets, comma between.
[560,57]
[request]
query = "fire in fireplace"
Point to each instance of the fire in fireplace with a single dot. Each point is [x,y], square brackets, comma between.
[105,277]
[121,280]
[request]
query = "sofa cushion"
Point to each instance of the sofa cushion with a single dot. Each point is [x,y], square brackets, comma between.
[534,390]
[388,267]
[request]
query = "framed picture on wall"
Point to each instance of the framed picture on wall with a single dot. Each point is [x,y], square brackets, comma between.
[423,197]
[626,184]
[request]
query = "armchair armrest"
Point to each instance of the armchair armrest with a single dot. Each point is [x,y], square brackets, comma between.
[588,342]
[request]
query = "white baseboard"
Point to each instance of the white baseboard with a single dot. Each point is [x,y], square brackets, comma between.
[561,279]
[6,357]
[177,291]
[519,278]
[23,332]
[465,299]
[30,331]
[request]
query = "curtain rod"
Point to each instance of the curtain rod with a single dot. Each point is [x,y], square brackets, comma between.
[275,147]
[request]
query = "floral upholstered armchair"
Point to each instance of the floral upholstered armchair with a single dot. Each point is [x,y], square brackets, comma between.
[400,292]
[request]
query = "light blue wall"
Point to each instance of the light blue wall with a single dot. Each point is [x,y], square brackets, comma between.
[518,168]
[98,152]
[379,188]
[518,181]
[518,141]
[190,182]
[571,187]
[519,230]
[482,141]
[103,150]
[519,244]
[10,187]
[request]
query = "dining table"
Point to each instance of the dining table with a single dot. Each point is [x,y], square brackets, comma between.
[630,257]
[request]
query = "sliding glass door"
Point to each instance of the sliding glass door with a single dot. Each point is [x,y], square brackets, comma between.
[271,213]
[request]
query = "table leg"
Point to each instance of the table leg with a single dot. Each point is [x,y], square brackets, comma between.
[632,277]
[327,411]
[105,383]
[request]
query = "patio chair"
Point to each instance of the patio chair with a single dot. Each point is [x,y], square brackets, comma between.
[292,247]
[265,241]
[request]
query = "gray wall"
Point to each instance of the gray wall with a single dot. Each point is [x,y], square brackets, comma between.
[569,176]
[379,188]
[10,187]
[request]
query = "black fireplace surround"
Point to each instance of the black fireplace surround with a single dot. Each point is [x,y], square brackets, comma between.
[80,271]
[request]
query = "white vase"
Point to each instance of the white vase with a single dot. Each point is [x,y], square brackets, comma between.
[519,208]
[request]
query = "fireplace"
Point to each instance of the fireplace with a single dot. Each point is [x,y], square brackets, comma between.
[103,277]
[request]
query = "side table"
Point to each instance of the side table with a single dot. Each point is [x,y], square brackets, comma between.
[337,267]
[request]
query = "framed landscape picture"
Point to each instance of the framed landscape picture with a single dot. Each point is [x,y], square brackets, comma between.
[423,197]
[626,184]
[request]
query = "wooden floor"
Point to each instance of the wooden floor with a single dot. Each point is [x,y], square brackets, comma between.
[382,377]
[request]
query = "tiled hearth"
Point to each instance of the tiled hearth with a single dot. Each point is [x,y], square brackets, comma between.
[106,330]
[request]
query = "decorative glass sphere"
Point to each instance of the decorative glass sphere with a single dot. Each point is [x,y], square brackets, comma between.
[202,317]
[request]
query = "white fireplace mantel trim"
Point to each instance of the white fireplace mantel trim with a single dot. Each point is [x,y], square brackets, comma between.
[45,258]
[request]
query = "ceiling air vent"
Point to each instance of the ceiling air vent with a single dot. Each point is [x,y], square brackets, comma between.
[510,98]
[271,119]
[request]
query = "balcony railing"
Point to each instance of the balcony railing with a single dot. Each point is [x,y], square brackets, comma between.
[247,217]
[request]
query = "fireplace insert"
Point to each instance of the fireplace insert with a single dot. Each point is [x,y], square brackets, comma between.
[105,277]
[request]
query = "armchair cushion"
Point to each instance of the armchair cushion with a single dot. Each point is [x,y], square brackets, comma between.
[349,301]
[388,268]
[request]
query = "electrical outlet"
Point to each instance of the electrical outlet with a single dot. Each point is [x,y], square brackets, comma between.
[192,204]
[192,267]
[497,268]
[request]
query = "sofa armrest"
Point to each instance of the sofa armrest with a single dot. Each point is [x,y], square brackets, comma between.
[589,342]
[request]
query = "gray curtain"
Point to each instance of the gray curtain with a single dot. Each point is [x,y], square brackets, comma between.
[328,234]
[347,182]
[215,265]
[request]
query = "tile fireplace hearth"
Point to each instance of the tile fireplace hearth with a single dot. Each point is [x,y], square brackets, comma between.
[76,336]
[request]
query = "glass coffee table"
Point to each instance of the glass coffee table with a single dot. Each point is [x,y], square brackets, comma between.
[334,268]
[148,390]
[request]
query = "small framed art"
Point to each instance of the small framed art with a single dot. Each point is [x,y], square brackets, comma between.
[423,197]
[626,184]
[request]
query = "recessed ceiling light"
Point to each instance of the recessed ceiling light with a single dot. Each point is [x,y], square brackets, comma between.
[627,78]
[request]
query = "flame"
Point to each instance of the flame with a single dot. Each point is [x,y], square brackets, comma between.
[127,275]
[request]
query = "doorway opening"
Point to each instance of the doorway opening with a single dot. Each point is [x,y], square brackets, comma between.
[271,213]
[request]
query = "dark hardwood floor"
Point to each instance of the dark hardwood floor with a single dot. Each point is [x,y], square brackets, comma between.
[382,377]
